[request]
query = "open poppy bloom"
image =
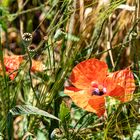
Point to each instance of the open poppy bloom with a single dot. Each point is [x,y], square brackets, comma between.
[12,64]
[92,82]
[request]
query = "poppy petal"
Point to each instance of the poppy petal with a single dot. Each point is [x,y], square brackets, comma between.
[125,79]
[87,71]
[37,66]
[12,64]
[98,104]
[79,97]
[118,93]
[13,75]
[109,83]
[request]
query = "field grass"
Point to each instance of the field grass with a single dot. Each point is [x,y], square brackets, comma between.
[61,34]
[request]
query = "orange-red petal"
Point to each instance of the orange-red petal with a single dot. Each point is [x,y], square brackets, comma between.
[118,93]
[98,104]
[109,83]
[125,79]
[12,64]
[12,75]
[80,98]
[87,71]
[37,66]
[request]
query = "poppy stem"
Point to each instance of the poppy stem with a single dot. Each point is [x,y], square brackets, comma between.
[27,40]
[30,60]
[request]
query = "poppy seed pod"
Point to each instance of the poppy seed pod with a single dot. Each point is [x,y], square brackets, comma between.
[27,39]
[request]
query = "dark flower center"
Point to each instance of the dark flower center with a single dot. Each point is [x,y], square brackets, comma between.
[97,89]
[99,92]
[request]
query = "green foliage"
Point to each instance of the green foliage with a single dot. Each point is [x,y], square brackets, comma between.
[28,109]
[64,112]
[33,105]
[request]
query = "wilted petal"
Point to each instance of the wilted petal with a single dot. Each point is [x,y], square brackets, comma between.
[87,71]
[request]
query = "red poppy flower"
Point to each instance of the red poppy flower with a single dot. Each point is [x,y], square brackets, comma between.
[92,82]
[12,64]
